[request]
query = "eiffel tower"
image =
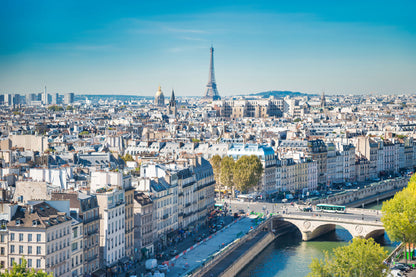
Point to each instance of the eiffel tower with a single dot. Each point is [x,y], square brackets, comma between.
[211,92]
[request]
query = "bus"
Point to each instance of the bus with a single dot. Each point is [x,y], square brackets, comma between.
[330,208]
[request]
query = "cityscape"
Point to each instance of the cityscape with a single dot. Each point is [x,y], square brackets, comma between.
[241,178]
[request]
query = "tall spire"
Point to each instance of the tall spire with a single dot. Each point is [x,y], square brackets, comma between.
[211,92]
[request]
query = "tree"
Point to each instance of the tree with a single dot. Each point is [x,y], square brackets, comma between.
[127,158]
[227,172]
[247,172]
[399,214]
[20,270]
[360,258]
[216,167]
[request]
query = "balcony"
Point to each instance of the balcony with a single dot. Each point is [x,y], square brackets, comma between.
[91,232]
[91,258]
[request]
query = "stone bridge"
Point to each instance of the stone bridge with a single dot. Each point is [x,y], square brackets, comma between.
[314,225]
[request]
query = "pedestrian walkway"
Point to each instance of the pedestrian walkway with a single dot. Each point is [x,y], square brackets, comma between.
[193,258]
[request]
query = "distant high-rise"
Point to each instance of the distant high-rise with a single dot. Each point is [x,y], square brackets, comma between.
[211,92]
[69,98]
[45,97]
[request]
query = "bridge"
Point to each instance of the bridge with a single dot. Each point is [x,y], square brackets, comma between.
[313,225]
[358,222]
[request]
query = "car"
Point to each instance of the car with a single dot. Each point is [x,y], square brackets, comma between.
[402,267]
[236,215]
[241,211]
[174,252]
[307,209]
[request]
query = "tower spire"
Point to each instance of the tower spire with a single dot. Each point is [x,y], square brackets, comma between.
[211,92]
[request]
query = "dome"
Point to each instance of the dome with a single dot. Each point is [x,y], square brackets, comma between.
[159,98]
[159,92]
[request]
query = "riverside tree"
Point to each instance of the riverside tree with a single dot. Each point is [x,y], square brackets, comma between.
[227,172]
[216,167]
[21,270]
[247,172]
[399,214]
[360,258]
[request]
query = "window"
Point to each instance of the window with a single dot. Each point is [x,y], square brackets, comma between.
[29,249]
[12,248]
[20,237]
[2,238]
[20,249]
[2,251]
[12,236]
[38,237]
[29,262]
[29,237]
[11,260]
[38,249]
[38,263]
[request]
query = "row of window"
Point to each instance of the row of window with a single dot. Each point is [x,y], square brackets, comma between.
[29,262]
[21,237]
[21,248]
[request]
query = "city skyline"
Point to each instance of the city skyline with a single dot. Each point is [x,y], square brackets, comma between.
[99,48]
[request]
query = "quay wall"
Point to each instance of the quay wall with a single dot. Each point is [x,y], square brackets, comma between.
[246,258]
[367,194]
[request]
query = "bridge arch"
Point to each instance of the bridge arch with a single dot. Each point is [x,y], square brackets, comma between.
[311,228]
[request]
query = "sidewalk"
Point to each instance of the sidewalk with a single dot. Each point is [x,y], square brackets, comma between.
[183,245]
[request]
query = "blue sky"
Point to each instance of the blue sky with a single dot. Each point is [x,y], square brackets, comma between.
[132,47]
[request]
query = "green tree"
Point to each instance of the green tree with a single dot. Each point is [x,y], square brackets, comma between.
[227,172]
[21,270]
[399,214]
[360,258]
[216,167]
[127,158]
[247,172]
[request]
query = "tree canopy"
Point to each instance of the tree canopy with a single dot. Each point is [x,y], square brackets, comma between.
[399,214]
[216,167]
[227,172]
[247,172]
[360,258]
[21,270]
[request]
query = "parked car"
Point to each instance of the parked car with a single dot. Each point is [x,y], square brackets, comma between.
[401,267]
[307,209]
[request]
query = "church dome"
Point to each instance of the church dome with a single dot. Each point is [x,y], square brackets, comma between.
[159,98]
[159,92]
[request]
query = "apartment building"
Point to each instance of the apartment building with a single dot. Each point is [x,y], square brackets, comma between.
[143,225]
[111,205]
[84,207]
[41,234]
[77,247]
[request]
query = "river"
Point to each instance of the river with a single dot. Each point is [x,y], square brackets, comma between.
[289,256]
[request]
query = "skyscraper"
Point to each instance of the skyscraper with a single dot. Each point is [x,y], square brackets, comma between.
[211,92]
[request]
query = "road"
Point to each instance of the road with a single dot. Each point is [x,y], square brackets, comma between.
[195,257]
[266,208]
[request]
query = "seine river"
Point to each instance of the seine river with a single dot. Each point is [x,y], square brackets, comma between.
[289,256]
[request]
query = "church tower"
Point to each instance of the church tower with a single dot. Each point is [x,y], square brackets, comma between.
[172,105]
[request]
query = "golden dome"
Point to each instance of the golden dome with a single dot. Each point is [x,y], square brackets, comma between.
[159,92]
